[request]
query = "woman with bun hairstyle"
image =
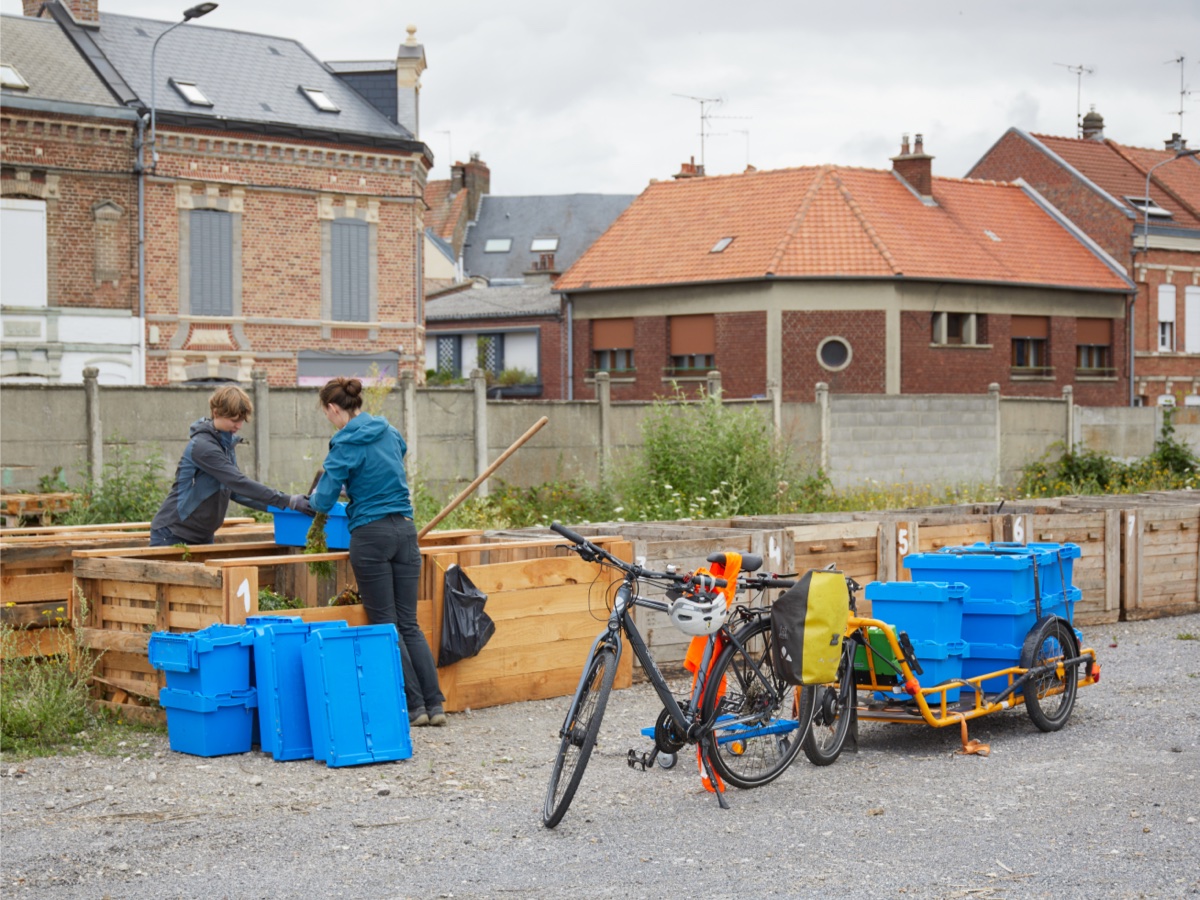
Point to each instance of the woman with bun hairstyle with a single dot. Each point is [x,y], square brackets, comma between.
[366,457]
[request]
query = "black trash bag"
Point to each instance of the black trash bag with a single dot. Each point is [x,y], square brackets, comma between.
[466,628]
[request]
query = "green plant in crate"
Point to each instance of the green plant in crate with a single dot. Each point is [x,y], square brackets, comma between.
[271,601]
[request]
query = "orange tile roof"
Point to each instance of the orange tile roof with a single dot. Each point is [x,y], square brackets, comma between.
[445,209]
[833,221]
[1121,171]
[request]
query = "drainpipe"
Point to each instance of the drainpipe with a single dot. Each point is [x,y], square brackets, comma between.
[570,349]
[141,214]
[1129,334]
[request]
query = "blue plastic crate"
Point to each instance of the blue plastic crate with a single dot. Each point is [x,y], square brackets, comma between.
[984,658]
[355,685]
[213,661]
[940,661]
[279,673]
[928,611]
[208,725]
[291,527]
[999,571]
[1008,621]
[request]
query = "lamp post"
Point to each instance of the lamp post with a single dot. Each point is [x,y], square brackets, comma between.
[194,12]
[1179,154]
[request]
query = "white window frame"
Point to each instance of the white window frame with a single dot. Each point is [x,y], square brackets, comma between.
[543,245]
[319,99]
[497,245]
[24,251]
[1166,318]
[190,91]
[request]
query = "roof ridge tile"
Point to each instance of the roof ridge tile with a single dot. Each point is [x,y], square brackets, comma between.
[869,229]
[805,205]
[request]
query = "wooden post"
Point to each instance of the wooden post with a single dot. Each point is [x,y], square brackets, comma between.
[1131,555]
[239,593]
[908,540]
[1112,561]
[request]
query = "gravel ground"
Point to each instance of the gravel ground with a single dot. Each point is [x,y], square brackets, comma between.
[1107,807]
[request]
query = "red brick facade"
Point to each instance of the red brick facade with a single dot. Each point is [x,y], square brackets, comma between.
[803,332]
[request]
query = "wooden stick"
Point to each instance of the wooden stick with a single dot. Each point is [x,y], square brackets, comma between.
[470,488]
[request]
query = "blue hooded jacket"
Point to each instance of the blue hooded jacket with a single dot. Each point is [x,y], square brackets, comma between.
[367,456]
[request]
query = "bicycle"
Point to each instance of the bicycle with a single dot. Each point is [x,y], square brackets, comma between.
[735,710]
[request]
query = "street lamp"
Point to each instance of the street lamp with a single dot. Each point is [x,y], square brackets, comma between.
[1179,154]
[194,12]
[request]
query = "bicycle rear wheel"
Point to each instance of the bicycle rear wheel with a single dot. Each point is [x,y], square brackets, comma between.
[832,708]
[756,732]
[1050,697]
[580,734]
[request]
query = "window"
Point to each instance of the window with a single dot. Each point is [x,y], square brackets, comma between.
[497,245]
[1030,345]
[449,355]
[191,93]
[11,78]
[720,245]
[612,345]
[834,353]
[544,245]
[23,251]
[1166,318]
[1093,346]
[1147,206]
[955,328]
[319,99]
[350,269]
[489,353]
[211,265]
[693,344]
[1191,318]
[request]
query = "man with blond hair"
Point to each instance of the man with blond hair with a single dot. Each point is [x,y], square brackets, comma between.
[208,477]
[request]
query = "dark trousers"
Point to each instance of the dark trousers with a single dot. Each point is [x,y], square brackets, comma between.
[387,565]
[162,537]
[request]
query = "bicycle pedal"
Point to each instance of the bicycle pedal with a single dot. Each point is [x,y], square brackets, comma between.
[636,760]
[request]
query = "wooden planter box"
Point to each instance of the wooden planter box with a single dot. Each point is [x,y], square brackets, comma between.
[1160,561]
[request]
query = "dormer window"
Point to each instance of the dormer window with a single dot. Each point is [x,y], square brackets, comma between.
[544,245]
[319,99]
[11,78]
[1147,206]
[190,92]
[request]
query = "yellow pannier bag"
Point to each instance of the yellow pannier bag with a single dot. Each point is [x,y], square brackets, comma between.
[807,623]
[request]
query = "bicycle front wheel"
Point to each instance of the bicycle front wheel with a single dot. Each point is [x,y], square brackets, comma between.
[832,708]
[756,733]
[579,736]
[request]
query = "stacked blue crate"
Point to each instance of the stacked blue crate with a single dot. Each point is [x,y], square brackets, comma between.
[932,615]
[208,698]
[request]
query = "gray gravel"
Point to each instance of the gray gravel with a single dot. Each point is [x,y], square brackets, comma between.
[1107,807]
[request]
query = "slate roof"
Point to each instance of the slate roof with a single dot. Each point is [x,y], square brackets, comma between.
[49,62]
[836,222]
[508,301]
[251,79]
[1121,171]
[575,219]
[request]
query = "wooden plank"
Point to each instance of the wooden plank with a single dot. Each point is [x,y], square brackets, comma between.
[35,615]
[131,614]
[119,641]
[535,573]
[833,531]
[547,601]
[194,552]
[35,588]
[129,685]
[1131,545]
[145,591]
[355,614]
[908,540]
[133,664]
[147,571]
[526,632]
[240,594]
[38,642]
[178,595]
[134,712]
[448,676]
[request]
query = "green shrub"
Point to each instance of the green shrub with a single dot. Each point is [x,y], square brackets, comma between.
[130,490]
[270,601]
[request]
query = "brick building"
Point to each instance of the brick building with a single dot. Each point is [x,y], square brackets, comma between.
[1101,185]
[283,211]
[871,281]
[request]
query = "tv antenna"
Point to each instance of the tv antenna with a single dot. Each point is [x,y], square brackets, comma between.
[1184,93]
[1079,71]
[705,115]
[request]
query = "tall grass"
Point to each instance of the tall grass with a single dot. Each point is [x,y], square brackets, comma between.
[129,490]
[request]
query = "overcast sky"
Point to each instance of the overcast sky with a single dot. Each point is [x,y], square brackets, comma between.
[580,97]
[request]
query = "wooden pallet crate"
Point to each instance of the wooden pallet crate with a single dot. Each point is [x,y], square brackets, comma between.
[1098,569]
[15,508]
[1160,561]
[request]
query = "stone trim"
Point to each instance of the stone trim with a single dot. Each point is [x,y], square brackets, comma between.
[208,195]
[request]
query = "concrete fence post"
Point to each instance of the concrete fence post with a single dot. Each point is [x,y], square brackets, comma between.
[262,426]
[408,415]
[714,384]
[604,396]
[479,386]
[826,423]
[775,395]
[994,396]
[1068,393]
[95,436]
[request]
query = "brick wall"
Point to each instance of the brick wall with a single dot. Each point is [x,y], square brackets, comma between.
[802,334]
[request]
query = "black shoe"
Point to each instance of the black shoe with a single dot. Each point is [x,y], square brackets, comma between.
[437,716]
[418,717]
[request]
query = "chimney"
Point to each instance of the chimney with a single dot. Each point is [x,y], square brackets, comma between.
[1176,142]
[689,170]
[1093,126]
[915,167]
[477,179]
[410,63]
[85,12]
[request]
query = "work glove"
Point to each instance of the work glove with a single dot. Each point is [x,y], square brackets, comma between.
[300,504]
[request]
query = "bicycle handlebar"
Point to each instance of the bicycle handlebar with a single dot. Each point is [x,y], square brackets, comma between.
[592,553]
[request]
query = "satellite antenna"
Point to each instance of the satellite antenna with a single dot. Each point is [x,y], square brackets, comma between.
[1184,93]
[705,115]
[1079,71]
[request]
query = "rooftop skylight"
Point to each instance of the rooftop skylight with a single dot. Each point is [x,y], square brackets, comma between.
[1148,206]
[11,78]
[497,245]
[190,92]
[720,245]
[544,245]
[319,99]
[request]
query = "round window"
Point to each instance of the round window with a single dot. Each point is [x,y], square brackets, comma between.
[834,353]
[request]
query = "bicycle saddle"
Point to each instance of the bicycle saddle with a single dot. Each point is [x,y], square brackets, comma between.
[750,562]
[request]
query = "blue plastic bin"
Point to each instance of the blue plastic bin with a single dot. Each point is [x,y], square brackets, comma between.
[1008,621]
[291,527]
[985,658]
[208,726]
[940,661]
[355,686]
[928,611]
[999,571]
[213,661]
[279,673]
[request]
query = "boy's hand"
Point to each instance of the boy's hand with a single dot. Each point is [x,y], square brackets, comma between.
[300,504]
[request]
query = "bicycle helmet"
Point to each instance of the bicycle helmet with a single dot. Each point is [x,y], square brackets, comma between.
[699,615]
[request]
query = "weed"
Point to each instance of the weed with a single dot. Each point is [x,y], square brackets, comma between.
[185,552]
[270,601]
[129,490]
[1187,636]
[52,483]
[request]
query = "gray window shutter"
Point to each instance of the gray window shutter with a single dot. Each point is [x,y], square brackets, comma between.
[350,275]
[211,263]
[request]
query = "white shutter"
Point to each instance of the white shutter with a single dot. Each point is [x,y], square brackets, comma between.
[1166,303]
[23,252]
[1191,318]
